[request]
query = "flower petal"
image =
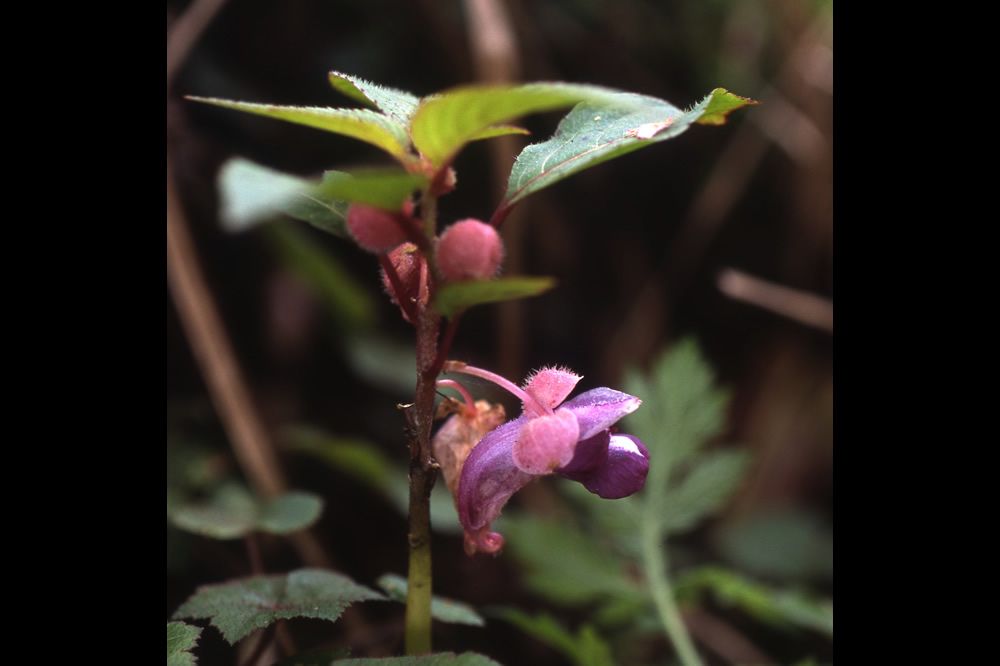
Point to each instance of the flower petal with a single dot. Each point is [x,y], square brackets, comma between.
[489,478]
[546,442]
[550,386]
[599,409]
[625,471]
[591,455]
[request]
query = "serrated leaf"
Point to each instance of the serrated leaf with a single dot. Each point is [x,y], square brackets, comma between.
[383,188]
[362,124]
[704,489]
[617,520]
[444,123]
[181,639]
[398,104]
[440,659]
[442,608]
[290,512]
[232,513]
[454,297]
[591,134]
[682,410]
[240,607]
[563,564]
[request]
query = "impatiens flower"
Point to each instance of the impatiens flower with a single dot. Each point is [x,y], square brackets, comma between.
[572,439]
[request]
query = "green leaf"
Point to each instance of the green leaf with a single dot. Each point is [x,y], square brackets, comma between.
[440,659]
[782,608]
[719,104]
[398,104]
[240,607]
[181,639]
[319,209]
[442,608]
[358,458]
[454,297]
[444,123]
[499,130]
[563,564]
[383,188]
[232,513]
[805,610]
[250,193]
[289,513]
[586,648]
[704,489]
[682,410]
[591,134]
[785,544]
[362,124]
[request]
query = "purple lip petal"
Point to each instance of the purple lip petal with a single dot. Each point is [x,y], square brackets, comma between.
[591,455]
[625,472]
[490,477]
[600,408]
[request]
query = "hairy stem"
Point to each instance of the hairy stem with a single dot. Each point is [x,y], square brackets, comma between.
[656,564]
[423,470]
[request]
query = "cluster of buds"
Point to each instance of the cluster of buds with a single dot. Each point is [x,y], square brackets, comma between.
[467,250]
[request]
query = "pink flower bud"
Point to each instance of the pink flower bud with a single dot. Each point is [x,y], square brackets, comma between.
[406,260]
[469,250]
[377,230]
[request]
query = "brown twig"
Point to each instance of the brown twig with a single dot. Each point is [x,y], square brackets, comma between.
[214,353]
[801,306]
[185,33]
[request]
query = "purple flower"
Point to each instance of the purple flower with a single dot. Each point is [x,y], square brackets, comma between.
[572,439]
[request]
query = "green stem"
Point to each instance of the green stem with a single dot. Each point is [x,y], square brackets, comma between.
[655,556]
[419,586]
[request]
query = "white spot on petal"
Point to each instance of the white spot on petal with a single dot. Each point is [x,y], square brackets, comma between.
[624,444]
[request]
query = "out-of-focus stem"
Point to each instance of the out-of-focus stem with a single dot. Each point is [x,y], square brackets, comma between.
[655,557]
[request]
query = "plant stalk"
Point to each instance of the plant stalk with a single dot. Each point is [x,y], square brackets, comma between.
[663,595]
[423,469]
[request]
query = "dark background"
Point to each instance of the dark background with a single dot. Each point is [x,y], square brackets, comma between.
[637,245]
